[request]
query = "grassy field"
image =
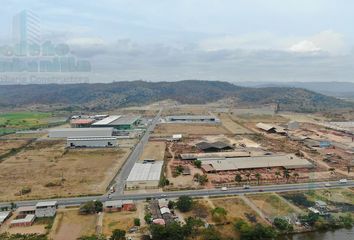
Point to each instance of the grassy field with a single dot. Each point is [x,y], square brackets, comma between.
[11,122]
[271,204]
[168,129]
[118,220]
[11,145]
[69,224]
[231,125]
[50,170]
[154,150]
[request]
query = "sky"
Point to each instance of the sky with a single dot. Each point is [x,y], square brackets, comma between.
[227,40]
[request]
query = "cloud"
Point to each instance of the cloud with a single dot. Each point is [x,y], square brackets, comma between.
[304,46]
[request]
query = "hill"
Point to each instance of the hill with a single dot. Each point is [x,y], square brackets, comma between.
[102,96]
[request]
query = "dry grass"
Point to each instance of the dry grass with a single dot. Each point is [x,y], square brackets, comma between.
[118,220]
[84,171]
[271,204]
[231,125]
[154,150]
[7,145]
[168,129]
[69,224]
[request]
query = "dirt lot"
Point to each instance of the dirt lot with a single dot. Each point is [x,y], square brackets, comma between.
[231,125]
[168,129]
[154,150]
[50,170]
[118,220]
[271,205]
[8,145]
[69,225]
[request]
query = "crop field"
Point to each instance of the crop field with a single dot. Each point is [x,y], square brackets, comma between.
[168,129]
[271,204]
[47,169]
[154,150]
[68,224]
[232,126]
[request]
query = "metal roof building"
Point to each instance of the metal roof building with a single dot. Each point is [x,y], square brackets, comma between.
[144,175]
[92,142]
[272,161]
[193,118]
[80,132]
[118,122]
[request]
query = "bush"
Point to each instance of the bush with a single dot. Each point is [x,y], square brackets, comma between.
[282,225]
[91,207]
[184,203]
[136,222]
[25,190]
[118,234]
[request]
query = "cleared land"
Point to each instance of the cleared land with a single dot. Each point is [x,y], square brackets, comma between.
[69,225]
[118,220]
[11,145]
[154,150]
[231,125]
[169,129]
[50,170]
[271,205]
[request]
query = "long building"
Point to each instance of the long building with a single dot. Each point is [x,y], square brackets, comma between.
[92,142]
[193,119]
[80,132]
[271,161]
[144,175]
[119,122]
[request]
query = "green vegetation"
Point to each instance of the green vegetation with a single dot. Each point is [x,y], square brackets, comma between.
[184,203]
[7,236]
[201,179]
[118,234]
[92,237]
[249,232]
[299,199]
[136,222]
[283,225]
[91,207]
[219,214]
[198,163]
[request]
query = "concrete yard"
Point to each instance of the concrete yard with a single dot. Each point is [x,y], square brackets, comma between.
[50,170]
[168,129]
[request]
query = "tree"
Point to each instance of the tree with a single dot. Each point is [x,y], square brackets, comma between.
[136,222]
[238,178]
[92,237]
[296,176]
[171,204]
[148,218]
[277,175]
[282,225]
[179,169]
[286,174]
[172,231]
[258,176]
[198,163]
[191,226]
[201,179]
[248,175]
[184,203]
[91,207]
[211,233]
[118,234]
[219,214]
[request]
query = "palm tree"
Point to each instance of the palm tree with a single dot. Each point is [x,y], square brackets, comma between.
[296,176]
[286,174]
[238,178]
[277,175]
[258,176]
[248,175]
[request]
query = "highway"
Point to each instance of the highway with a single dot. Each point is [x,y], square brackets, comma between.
[193,193]
[133,157]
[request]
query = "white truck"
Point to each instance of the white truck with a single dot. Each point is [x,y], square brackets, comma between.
[224,189]
[343,181]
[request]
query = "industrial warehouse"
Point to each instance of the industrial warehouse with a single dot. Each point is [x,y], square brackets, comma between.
[80,132]
[118,122]
[82,142]
[192,119]
[145,175]
[274,161]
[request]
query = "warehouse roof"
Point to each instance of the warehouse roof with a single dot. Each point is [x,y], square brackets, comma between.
[47,204]
[191,117]
[81,129]
[107,120]
[216,145]
[145,172]
[27,219]
[26,209]
[90,138]
[192,156]
[125,120]
[4,215]
[265,127]
[116,203]
[286,161]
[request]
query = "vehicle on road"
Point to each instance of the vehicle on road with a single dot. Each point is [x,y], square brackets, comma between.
[163,195]
[327,185]
[224,189]
[344,180]
[246,186]
[260,190]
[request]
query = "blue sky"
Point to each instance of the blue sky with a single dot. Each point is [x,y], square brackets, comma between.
[250,40]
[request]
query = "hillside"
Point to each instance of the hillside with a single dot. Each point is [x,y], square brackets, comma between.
[121,94]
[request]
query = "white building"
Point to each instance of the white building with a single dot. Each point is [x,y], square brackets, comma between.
[144,175]
[46,209]
[293,125]
[92,142]
[80,132]
[3,216]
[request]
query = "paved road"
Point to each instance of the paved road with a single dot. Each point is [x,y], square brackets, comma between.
[134,157]
[194,193]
